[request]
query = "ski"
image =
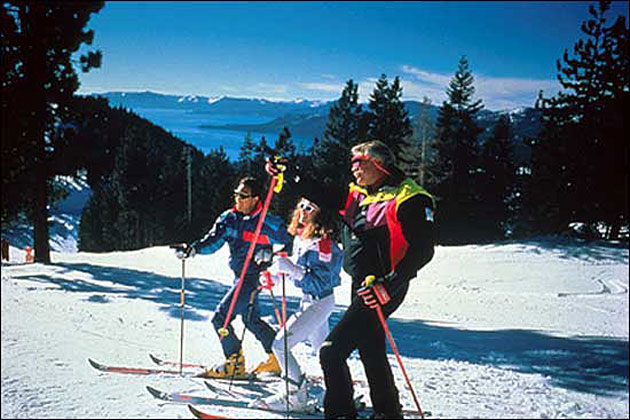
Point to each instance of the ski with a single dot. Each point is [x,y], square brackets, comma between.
[251,376]
[140,371]
[238,404]
[362,414]
[247,390]
[201,415]
[150,371]
[189,399]
[241,401]
[180,397]
[161,362]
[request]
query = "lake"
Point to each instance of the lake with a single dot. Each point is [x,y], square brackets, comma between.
[185,125]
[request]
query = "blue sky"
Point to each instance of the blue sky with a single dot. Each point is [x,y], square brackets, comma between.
[289,50]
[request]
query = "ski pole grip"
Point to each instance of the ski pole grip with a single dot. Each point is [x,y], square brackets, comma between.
[369,280]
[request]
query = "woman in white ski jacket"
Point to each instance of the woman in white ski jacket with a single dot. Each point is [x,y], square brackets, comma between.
[314,267]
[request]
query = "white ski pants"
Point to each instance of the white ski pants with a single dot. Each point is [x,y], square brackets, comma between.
[309,323]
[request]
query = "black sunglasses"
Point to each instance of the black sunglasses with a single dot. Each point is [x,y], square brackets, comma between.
[241,195]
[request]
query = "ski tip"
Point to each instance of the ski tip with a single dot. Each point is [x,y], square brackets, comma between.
[155,392]
[155,359]
[95,365]
[198,414]
[201,415]
[210,386]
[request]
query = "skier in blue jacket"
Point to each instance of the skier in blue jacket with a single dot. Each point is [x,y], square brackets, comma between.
[236,226]
[314,267]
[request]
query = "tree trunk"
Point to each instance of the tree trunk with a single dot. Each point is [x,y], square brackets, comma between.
[40,215]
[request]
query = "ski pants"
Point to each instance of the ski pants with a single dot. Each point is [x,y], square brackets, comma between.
[250,315]
[309,323]
[360,328]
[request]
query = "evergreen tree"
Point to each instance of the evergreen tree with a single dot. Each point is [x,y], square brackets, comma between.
[345,128]
[456,164]
[497,182]
[247,153]
[388,121]
[424,134]
[283,146]
[39,79]
[579,161]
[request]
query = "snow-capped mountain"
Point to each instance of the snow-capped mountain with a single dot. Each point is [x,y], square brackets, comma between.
[212,105]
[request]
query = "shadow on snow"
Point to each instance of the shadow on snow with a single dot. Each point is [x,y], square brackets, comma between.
[589,364]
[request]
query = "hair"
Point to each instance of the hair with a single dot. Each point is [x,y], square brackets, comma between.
[321,225]
[378,150]
[253,184]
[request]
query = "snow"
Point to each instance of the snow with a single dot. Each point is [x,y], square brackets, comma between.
[521,329]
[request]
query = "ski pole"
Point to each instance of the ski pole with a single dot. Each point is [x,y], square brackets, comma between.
[369,280]
[223,332]
[269,287]
[286,350]
[250,307]
[181,328]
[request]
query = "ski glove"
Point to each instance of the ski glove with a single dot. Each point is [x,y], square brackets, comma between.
[285,265]
[183,251]
[268,280]
[274,166]
[373,292]
[263,256]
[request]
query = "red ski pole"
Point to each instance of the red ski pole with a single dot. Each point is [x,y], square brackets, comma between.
[269,286]
[223,332]
[368,281]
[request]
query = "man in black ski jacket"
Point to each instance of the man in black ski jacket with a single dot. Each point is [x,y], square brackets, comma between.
[388,233]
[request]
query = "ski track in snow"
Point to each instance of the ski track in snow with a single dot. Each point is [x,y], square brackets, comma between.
[532,329]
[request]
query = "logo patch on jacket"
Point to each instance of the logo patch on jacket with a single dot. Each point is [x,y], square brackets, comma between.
[429,214]
[325,249]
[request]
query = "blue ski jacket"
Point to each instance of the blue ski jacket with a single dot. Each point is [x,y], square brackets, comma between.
[237,229]
[322,258]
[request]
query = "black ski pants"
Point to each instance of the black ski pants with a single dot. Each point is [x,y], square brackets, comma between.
[360,328]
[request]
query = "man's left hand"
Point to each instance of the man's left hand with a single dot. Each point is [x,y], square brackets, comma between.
[374,293]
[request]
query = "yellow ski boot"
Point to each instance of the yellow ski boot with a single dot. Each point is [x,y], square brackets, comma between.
[232,367]
[269,366]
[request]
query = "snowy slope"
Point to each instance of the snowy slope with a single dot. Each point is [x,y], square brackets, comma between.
[535,329]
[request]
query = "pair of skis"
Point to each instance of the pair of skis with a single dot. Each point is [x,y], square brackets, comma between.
[240,400]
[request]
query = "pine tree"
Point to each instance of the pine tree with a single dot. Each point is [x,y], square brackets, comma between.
[579,161]
[388,121]
[38,39]
[247,153]
[497,181]
[283,146]
[424,134]
[456,164]
[345,128]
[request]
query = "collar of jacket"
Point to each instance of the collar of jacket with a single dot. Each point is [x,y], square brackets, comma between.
[253,213]
[401,192]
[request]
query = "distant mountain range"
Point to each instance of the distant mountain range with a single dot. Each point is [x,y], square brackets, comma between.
[304,118]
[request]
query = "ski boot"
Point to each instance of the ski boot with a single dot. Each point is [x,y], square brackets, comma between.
[232,367]
[270,366]
[298,398]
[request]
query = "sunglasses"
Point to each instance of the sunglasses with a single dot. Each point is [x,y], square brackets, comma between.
[307,208]
[356,160]
[360,158]
[242,196]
